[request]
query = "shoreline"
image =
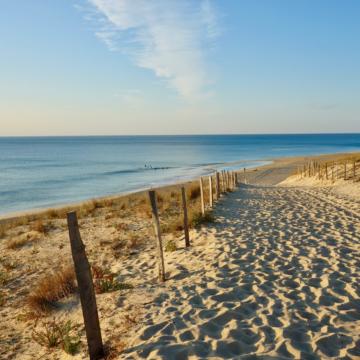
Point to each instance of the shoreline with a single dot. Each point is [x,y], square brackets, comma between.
[292,161]
[38,211]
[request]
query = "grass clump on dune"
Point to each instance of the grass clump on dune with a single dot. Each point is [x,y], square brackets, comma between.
[52,288]
[199,219]
[26,239]
[105,281]
[58,334]
[170,246]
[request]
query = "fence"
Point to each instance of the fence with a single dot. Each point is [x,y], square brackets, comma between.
[348,170]
[224,181]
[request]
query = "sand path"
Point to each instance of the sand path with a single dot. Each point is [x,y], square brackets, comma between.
[278,277]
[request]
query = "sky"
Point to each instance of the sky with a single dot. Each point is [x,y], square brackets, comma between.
[128,67]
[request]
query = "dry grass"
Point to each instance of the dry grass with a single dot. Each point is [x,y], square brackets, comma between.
[3,231]
[4,278]
[194,192]
[39,226]
[52,288]
[124,245]
[2,298]
[18,242]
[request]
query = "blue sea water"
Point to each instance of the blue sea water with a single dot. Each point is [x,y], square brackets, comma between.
[38,172]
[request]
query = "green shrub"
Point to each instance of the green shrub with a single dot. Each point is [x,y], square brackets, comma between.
[200,219]
[58,334]
[170,246]
[110,284]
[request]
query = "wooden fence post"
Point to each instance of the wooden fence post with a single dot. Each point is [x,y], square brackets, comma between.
[186,225]
[86,289]
[217,185]
[202,196]
[345,170]
[210,191]
[222,184]
[326,170]
[245,182]
[354,171]
[155,216]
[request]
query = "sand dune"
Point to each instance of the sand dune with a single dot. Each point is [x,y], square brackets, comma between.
[278,277]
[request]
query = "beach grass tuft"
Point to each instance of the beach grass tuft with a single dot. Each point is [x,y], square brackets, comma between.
[170,246]
[52,288]
[199,219]
[105,281]
[18,242]
[57,333]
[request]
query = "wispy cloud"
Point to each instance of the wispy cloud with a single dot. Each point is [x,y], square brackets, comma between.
[169,37]
[130,97]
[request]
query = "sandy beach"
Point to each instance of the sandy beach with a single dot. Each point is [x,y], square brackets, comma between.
[274,275]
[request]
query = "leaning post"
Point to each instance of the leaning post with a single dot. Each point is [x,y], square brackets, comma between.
[217,185]
[210,191]
[202,196]
[186,223]
[86,289]
[155,216]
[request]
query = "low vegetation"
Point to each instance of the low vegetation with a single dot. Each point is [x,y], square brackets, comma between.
[61,334]
[200,219]
[170,246]
[52,288]
[2,298]
[2,231]
[20,241]
[105,281]
[4,278]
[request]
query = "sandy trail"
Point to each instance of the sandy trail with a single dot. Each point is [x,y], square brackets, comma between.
[277,277]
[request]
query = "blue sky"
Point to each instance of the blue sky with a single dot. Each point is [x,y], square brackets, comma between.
[179,67]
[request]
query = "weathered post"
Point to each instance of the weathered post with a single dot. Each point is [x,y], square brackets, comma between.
[222,182]
[345,170]
[155,216]
[210,191]
[217,185]
[245,181]
[202,196]
[186,225]
[354,171]
[86,289]
[326,171]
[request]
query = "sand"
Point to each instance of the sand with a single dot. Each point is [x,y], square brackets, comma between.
[276,276]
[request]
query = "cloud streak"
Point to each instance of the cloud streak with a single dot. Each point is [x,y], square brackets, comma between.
[171,38]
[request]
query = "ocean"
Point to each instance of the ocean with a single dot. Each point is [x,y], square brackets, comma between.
[39,172]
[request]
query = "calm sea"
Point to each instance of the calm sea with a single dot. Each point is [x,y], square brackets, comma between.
[39,172]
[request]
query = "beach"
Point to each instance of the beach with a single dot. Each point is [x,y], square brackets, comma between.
[273,274]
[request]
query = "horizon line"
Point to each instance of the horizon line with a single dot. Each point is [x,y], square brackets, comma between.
[196,134]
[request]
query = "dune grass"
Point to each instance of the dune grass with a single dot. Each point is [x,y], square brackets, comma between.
[52,288]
